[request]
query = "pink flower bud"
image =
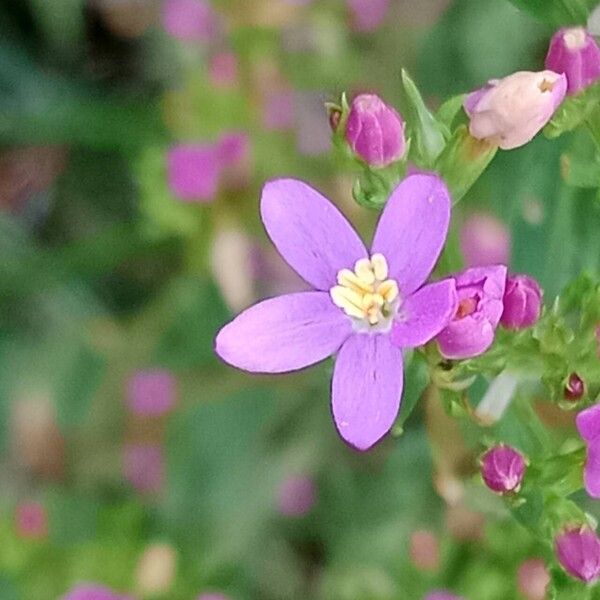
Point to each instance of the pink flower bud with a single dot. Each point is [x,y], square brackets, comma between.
[425,550]
[574,52]
[509,112]
[503,469]
[578,552]
[471,331]
[588,426]
[151,393]
[484,240]
[296,496]
[574,388]
[375,131]
[31,521]
[522,302]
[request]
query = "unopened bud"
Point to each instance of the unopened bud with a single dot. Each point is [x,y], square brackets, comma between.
[503,469]
[578,552]
[574,52]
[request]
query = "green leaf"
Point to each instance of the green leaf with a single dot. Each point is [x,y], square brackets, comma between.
[558,12]
[198,312]
[416,379]
[463,161]
[574,111]
[76,386]
[426,134]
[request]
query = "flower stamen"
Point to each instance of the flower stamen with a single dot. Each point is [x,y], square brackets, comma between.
[366,294]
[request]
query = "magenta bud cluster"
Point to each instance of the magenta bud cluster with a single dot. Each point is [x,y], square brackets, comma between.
[574,52]
[503,469]
[522,302]
[375,131]
[574,388]
[578,552]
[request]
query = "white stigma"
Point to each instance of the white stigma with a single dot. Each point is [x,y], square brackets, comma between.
[366,294]
[575,39]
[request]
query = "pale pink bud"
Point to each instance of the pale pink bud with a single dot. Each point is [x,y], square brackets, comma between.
[509,112]
[484,240]
[532,579]
[31,521]
[296,496]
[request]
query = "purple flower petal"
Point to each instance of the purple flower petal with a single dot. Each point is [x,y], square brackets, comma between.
[588,423]
[366,389]
[284,334]
[309,232]
[424,314]
[591,474]
[412,230]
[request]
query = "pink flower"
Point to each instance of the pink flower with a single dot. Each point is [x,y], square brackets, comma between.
[368,15]
[533,579]
[484,240]
[471,332]
[588,425]
[375,131]
[509,112]
[31,521]
[143,466]
[574,52]
[190,20]
[296,496]
[151,393]
[366,307]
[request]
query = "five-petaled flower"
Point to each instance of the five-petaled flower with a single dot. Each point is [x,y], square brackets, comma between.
[365,309]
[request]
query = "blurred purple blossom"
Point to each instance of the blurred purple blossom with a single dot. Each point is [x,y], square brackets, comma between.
[484,240]
[143,466]
[151,393]
[296,495]
[190,20]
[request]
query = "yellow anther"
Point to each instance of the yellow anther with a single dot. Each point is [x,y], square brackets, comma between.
[380,266]
[366,293]
[364,270]
[349,279]
[389,290]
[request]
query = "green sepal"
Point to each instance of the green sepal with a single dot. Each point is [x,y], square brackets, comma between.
[574,111]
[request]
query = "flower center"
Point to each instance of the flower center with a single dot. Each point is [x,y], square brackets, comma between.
[366,294]
[466,307]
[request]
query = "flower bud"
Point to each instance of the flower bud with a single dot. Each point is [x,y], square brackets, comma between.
[211,596]
[484,240]
[194,171]
[574,388]
[509,112]
[375,131]
[156,569]
[578,552]
[223,70]
[471,331]
[502,469]
[574,52]
[588,426]
[143,467]
[425,550]
[522,302]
